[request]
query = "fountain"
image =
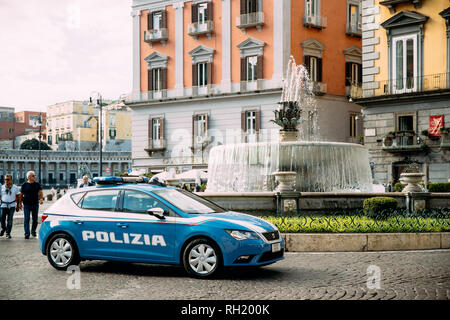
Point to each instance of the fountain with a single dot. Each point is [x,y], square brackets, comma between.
[311,164]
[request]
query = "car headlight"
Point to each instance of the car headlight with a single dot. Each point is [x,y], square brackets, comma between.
[243,235]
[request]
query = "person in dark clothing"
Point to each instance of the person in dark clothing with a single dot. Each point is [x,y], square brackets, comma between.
[31,196]
[86,183]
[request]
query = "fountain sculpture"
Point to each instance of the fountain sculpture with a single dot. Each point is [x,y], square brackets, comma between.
[314,165]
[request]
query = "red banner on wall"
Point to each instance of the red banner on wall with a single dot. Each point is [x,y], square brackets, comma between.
[436,123]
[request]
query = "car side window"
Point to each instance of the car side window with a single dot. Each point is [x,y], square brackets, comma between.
[139,202]
[100,200]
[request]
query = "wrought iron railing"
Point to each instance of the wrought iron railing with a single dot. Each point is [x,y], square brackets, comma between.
[198,28]
[437,220]
[439,81]
[250,19]
[402,140]
[155,35]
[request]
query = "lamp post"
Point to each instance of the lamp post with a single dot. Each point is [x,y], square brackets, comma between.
[40,156]
[99,104]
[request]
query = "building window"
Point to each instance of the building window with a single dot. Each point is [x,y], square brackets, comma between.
[112,120]
[202,13]
[156,125]
[251,6]
[354,17]
[250,120]
[202,74]
[252,68]
[201,125]
[310,8]
[157,20]
[112,133]
[404,63]
[314,67]
[157,79]
[353,73]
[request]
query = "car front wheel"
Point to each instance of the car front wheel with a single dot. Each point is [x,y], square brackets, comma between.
[202,258]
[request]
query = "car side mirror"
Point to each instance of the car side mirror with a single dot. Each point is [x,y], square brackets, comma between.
[157,212]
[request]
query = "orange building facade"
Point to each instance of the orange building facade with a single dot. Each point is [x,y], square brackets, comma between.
[202,68]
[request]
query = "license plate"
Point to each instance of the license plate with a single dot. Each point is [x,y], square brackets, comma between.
[276,247]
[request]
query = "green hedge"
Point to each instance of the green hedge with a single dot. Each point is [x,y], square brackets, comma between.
[379,207]
[439,187]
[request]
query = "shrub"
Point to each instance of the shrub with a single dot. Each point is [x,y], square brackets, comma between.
[398,187]
[439,187]
[379,207]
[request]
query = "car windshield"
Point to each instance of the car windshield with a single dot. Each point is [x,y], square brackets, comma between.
[188,202]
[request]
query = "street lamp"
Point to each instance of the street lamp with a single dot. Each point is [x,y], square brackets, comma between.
[99,104]
[40,157]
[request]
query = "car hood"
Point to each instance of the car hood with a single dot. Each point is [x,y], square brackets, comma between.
[245,220]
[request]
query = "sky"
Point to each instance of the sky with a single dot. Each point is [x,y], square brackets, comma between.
[59,50]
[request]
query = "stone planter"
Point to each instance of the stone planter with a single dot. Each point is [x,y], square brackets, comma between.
[411,181]
[286,180]
[288,136]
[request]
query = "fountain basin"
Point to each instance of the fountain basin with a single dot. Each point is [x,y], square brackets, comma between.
[319,166]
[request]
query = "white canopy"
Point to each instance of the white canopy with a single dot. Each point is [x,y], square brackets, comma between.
[193,175]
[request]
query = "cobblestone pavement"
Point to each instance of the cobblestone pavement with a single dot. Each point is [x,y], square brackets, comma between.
[26,274]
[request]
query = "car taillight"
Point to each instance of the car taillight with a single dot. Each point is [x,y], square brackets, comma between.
[44,216]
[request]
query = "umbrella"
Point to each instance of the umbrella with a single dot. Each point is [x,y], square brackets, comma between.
[194,175]
[164,175]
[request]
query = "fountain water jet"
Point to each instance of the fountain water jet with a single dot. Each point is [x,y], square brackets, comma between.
[320,166]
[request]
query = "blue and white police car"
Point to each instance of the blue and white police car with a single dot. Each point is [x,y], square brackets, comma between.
[127,219]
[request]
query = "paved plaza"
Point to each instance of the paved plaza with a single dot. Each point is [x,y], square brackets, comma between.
[26,274]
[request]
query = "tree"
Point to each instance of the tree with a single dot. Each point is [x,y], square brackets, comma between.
[33,144]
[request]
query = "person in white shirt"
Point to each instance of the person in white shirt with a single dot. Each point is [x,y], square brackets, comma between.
[9,196]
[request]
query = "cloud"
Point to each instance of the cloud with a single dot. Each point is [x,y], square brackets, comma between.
[54,51]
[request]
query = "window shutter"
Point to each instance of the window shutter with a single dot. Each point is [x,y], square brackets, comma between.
[206,123]
[319,69]
[359,74]
[209,11]
[243,11]
[243,122]
[150,21]
[150,132]
[164,78]
[194,12]
[260,67]
[194,75]
[348,73]
[209,73]
[164,19]
[150,80]
[307,63]
[243,69]
[257,120]
[161,128]
[194,129]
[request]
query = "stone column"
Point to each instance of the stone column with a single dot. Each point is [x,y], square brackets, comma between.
[281,38]
[136,54]
[226,46]
[179,48]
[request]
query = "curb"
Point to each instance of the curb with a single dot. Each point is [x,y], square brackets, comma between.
[353,242]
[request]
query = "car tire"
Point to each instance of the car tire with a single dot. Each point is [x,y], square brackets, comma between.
[202,258]
[62,251]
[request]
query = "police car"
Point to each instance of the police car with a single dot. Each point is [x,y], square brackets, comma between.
[128,219]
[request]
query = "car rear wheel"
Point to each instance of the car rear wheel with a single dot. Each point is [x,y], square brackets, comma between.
[62,251]
[202,258]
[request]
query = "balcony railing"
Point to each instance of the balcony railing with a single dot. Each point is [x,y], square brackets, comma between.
[354,29]
[315,21]
[319,88]
[253,19]
[403,141]
[156,145]
[156,35]
[445,140]
[440,81]
[198,28]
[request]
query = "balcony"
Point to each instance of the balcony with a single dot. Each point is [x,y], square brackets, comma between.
[156,35]
[353,29]
[403,142]
[156,146]
[248,20]
[196,29]
[411,85]
[317,22]
[445,139]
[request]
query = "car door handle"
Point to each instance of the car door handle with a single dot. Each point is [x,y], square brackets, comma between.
[78,222]
[122,225]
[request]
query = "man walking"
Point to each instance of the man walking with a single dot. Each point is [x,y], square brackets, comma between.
[31,196]
[9,195]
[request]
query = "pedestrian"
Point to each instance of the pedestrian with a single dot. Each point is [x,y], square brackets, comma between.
[53,192]
[198,188]
[31,196]
[86,183]
[9,196]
